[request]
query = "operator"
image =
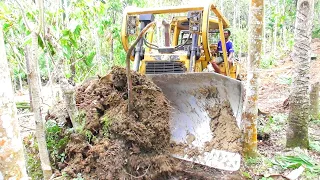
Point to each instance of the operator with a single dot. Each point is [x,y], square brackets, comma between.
[230,51]
[229,46]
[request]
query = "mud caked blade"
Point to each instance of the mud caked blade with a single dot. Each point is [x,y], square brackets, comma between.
[192,96]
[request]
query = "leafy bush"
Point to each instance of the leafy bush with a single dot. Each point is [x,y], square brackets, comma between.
[57,139]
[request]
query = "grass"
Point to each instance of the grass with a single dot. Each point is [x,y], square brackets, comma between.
[285,79]
[257,166]
[253,161]
[105,125]
[278,121]
[274,124]
[295,161]
[315,146]
[81,119]
[316,121]
[267,62]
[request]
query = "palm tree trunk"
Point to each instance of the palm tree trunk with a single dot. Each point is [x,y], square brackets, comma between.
[297,132]
[250,114]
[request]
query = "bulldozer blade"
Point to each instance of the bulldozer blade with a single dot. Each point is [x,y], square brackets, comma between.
[190,116]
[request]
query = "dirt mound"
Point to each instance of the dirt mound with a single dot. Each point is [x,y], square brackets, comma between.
[105,101]
[111,144]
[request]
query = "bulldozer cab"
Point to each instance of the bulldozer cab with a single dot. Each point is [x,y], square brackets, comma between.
[195,25]
[177,67]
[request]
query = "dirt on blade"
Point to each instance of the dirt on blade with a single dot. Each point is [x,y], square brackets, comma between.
[226,133]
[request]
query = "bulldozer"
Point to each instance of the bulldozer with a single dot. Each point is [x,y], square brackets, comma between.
[180,69]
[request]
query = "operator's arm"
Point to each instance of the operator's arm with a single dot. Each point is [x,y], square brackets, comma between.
[215,67]
[230,57]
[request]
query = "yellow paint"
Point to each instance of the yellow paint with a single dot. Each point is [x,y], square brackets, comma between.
[224,48]
[166,10]
[208,23]
[149,38]
[205,29]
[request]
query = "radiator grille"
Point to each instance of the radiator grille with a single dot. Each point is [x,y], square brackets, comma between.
[164,67]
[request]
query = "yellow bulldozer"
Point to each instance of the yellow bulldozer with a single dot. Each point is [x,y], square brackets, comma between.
[179,68]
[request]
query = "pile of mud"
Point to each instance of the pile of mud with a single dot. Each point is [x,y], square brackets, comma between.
[124,145]
[113,144]
[105,102]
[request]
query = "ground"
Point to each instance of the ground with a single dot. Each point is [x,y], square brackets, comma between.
[274,159]
[273,94]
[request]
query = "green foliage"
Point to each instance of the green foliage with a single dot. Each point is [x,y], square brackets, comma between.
[274,124]
[246,175]
[89,136]
[316,121]
[267,62]
[23,105]
[315,146]
[240,39]
[57,139]
[105,125]
[266,178]
[32,158]
[285,79]
[81,119]
[294,162]
[253,161]
[85,39]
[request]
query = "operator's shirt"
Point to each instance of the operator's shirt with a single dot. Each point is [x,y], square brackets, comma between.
[229,47]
